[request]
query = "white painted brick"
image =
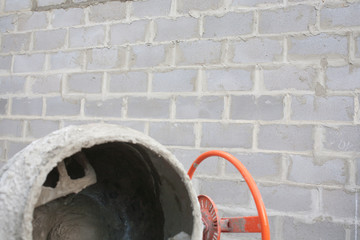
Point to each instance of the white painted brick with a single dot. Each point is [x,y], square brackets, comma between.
[335,108]
[85,82]
[231,24]
[207,107]
[122,33]
[357,53]
[17,5]
[148,56]
[291,19]
[184,6]
[357,162]
[169,133]
[290,77]
[67,17]
[29,63]
[150,8]
[228,80]
[48,40]
[176,29]
[7,23]
[106,58]
[46,84]
[286,137]
[108,11]
[198,52]
[355,234]
[3,106]
[333,17]
[128,82]
[15,42]
[13,84]
[343,78]
[230,135]
[104,108]
[142,107]
[136,125]
[87,36]
[66,60]
[252,108]
[41,128]
[253,3]
[286,198]
[312,231]
[58,106]
[319,46]
[5,64]
[317,171]
[339,203]
[32,21]
[80,122]
[14,147]
[181,80]
[342,138]
[2,154]
[27,106]
[44,3]
[11,128]
[257,50]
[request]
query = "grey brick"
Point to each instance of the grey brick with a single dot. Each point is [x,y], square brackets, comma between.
[343,78]
[41,128]
[148,56]
[80,122]
[355,234]
[141,107]
[67,17]
[319,46]
[357,162]
[3,106]
[176,29]
[151,8]
[16,5]
[12,84]
[29,63]
[5,64]
[342,138]
[27,106]
[46,84]
[335,108]
[339,203]
[85,82]
[291,19]
[44,3]
[109,11]
[198,52]
[331,17]
[7,23]
[136,125]
[184,6]
[257,108]
[16,42]
[57,106]
[286,198]
[2,154]
[14,147]
[106,58]
[104,108]
[228,80]
[32,21]
[10,128]
[47,40]
[231,24]
[260,165]
[257,50]
[208,107]
[312,231]
[252,3]
[317,171]
[122,33]
[128,82]
[357,53]
[286,137]
[290,77]
[87,36]
[230,135]
[181,80]
[66,60]
[178,134]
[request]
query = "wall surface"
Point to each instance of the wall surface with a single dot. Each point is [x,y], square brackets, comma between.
[274,82]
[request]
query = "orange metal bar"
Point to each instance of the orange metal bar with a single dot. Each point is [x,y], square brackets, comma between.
[265,230]
[241,224]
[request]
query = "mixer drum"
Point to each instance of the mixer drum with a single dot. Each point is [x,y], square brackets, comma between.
[96,182]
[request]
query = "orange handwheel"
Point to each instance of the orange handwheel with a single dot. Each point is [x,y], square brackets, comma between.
[213,225]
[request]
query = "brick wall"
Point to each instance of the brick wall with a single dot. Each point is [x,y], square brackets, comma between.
[274,82]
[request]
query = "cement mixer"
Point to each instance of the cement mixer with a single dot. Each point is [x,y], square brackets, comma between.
[102,181]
